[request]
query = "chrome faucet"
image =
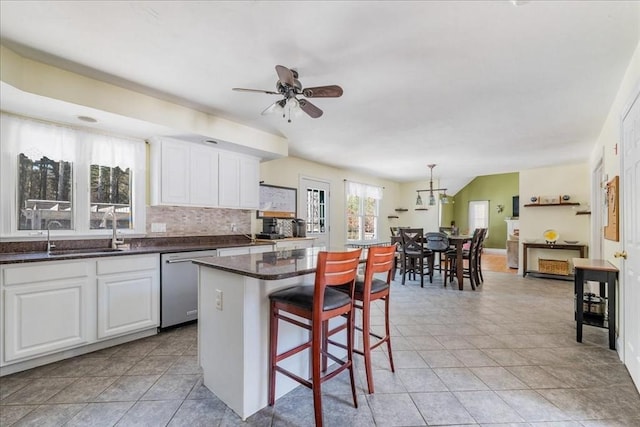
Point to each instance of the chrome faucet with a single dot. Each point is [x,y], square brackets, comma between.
[51,245]
[114,227]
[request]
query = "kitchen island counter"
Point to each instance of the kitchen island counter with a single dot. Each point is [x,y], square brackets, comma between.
[233,324]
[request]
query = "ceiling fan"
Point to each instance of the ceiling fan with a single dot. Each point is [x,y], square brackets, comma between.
[290,88]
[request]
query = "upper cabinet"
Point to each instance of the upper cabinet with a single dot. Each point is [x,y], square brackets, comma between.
[190,174]
[239,181]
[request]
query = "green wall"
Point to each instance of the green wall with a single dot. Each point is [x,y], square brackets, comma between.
[498,190]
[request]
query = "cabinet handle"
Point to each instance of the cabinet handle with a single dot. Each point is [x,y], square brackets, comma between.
[622,255]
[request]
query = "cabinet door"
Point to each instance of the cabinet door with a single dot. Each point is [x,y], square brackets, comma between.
[203,176]
[127,303]
[229,184]
[249,182]
[234,251]
[46,317]
[174,172]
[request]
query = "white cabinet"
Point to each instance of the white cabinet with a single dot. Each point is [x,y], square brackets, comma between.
[245,250]
[47,307]
[183,173]
[239,181]
[294,243]
[128,294]
[54,306]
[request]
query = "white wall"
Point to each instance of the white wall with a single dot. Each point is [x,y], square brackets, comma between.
[608,144]
[287,171]
[572,180]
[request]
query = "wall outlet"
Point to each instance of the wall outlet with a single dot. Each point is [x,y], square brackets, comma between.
[219,299]
[158,227]
[233,227]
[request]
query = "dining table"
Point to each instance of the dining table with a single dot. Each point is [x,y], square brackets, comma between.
[458,242]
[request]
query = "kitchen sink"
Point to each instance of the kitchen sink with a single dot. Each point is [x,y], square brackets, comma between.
[85,251]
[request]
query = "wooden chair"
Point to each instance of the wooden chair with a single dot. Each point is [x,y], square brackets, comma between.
[380,260]
[438,243]
[318,304]
[414,254]
[471,257]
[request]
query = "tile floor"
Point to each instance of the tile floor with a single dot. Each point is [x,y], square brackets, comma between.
[504,355]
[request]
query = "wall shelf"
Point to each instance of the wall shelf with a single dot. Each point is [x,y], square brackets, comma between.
[584,213]
[401,210]
[392,216]
[421,209]
[535,205]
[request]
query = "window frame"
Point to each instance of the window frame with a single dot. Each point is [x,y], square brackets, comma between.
[80,187]
[484,204]
[364,192]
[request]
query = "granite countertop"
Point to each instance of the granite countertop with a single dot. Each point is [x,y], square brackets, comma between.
[270,265]
[75,250]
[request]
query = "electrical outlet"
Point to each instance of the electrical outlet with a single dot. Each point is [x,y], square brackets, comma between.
[234,228]
[219,299]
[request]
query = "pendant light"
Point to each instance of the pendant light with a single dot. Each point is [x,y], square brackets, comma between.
[432,197]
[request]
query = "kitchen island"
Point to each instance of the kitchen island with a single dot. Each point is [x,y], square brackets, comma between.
[233,324]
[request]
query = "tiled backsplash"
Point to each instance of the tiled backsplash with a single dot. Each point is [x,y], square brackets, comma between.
[194,221]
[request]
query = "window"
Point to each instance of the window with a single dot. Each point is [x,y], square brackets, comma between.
[362,202]
[316,210]
[44,193]
[478,215]
[71,176]
[110,192]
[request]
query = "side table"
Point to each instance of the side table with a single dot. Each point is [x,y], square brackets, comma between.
[602,271]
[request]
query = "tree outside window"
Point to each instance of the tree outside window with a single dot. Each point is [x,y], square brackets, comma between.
[362,211]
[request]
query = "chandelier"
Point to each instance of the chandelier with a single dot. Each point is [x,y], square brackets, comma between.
[431,190]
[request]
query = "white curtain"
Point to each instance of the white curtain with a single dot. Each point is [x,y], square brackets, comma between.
[363,190]
[36,139]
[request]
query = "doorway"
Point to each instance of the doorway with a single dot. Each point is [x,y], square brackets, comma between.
[313,206]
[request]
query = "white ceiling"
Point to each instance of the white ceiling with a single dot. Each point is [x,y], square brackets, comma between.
[476,87]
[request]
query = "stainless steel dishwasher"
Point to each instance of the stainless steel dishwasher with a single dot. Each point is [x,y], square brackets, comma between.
[179,287]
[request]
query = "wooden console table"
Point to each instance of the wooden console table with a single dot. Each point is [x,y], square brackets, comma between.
[599,271]
[525,252]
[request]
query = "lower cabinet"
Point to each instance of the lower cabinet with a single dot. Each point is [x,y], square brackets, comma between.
[42,315]
[128,295]
[245,250]
[51,306]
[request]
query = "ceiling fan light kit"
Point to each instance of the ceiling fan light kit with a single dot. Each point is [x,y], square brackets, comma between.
[290,88]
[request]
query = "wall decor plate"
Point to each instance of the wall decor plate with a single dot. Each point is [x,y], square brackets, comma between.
[551,236]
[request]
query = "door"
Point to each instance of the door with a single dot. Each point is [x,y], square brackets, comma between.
[597,211]
[313,206]
[630,269]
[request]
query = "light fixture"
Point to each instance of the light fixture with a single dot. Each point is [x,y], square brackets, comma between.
[432,197]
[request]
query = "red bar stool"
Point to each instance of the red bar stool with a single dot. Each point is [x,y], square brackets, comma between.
[380,259]
[318,304]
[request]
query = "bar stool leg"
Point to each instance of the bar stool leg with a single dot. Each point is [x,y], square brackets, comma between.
[316,356]
[273,351]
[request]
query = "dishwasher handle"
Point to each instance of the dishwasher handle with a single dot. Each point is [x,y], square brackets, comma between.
[175,261]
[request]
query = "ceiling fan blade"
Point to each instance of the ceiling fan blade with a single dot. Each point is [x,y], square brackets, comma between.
[268,92]
[276,107]
[332,91]
[285,75]
[309,108]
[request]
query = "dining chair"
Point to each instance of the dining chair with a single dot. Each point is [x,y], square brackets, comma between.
[480,249]
[414,254]
[470,271]
[380,260]
[317,304]
[438,243]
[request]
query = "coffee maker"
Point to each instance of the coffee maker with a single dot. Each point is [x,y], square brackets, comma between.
[299,227]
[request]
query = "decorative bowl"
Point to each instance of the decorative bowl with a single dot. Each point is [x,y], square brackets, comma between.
[551,236]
